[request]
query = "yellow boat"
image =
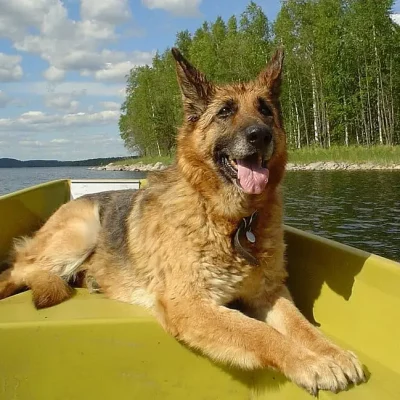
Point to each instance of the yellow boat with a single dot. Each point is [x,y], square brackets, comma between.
[93,348]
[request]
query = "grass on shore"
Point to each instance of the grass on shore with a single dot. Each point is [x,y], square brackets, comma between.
[379,155]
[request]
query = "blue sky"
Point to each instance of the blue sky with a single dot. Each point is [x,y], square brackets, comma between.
[63,67]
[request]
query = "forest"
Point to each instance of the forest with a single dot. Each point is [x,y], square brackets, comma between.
[341,84]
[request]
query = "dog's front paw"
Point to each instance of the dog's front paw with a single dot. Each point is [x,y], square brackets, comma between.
[314,372]
[348,362]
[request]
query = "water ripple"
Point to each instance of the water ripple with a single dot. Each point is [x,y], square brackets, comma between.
[358,208]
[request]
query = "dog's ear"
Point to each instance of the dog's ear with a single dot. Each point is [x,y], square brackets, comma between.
[196,90]
[271,76]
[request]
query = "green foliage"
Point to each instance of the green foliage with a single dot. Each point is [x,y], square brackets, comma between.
[341,84]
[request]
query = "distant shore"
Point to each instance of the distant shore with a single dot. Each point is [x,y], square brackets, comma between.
[340,166]
[314,166]
[14,163]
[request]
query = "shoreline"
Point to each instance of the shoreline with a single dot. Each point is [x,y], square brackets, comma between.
[314,166]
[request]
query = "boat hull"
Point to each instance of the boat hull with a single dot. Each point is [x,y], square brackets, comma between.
[93,347]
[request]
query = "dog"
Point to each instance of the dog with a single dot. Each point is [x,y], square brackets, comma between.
[202,245]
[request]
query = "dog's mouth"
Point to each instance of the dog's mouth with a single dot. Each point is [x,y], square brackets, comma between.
[250,173]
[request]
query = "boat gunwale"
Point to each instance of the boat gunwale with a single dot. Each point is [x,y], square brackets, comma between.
[387,262]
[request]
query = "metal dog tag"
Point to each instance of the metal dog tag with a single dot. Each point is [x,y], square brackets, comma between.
[250,236]
[245,227]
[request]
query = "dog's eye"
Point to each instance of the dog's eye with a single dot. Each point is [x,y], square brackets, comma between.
[226,111]
[264,108]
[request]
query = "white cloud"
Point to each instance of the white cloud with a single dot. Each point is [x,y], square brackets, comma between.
[61,101]
[81,119]
[85,43]
[83,57]
[7,100]
[42,27]
[182,8]
[110,11]
[80,59]
[54,74]
[16,17]
[38,121]
[10,70]
[31,143]
[118,71]
[39,143]
[88,88]
[49,18]
[29,118]
[4,99]
[396,18]
[122,92]
[64,101]
[110,105]
[79,145]
[61,141]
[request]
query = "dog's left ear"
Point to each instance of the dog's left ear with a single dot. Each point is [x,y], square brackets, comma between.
[195,88]
[271,76]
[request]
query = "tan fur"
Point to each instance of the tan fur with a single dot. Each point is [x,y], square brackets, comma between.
[8,285]
[48,289]
[176,257]
[56,251]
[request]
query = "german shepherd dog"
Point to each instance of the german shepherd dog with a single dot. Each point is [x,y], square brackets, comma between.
[202,245]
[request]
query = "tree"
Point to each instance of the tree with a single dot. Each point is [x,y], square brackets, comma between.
[341,83]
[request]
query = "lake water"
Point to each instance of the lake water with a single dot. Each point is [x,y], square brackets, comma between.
[12,179]
[361,209]
[358,208]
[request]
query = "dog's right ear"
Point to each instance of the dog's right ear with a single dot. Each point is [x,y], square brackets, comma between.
[271,76]
[196,90]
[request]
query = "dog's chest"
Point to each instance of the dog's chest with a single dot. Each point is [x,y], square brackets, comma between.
[222,270]
[223,280]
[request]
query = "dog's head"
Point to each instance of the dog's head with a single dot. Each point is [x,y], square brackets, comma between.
[232,134]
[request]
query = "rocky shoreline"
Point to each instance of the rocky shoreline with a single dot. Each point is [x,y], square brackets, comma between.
[139,167]
[315,166]
[340,166]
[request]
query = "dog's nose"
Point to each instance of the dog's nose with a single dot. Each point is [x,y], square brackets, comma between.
[259,135]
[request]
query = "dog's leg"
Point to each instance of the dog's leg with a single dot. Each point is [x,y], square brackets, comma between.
[283,315]
[229,336]
[8,284]
[49,259]
[48,289]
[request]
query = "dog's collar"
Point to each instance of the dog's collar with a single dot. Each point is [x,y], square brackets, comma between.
[244,234]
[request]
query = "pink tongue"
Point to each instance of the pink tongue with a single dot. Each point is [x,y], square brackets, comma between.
[252,178]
